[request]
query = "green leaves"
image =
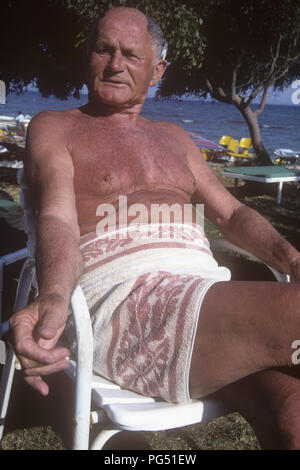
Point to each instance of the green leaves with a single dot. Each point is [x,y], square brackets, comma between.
[207,39]
[235,39]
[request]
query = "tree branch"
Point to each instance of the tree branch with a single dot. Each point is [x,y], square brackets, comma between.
[233,83]
[263,99]
[216,93]
[255,92]
[269,79]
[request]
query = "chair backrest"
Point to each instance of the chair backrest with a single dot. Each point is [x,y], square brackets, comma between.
[245,143]
[225,140]
[233,145]
[29,215]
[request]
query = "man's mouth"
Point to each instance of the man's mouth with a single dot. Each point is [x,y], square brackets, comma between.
[115,82]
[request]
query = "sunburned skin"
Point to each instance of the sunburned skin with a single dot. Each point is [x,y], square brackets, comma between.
[145,163]
[80,159]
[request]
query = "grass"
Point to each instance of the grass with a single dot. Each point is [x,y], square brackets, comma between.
[230,432]
[37,438]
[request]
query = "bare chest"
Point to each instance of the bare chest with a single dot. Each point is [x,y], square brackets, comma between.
[110,162]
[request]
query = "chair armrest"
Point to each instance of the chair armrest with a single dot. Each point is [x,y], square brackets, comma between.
[83,324]
[223,243]
[84,368]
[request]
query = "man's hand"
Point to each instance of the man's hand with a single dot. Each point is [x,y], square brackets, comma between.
[35,331]
[295,269]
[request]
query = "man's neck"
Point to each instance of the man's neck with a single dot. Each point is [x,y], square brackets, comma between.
[119,116]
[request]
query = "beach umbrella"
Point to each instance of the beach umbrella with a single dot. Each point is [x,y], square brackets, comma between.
[206,144]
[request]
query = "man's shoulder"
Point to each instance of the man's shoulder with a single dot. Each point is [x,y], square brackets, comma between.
[170,127]
[51,126]
[174,130]
[51,118]
[48,138]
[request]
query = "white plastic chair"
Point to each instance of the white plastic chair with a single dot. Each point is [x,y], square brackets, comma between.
[116,408]
[98,400]
[6,260]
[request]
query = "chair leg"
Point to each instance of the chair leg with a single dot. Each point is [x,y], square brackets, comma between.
[11,361]
[6,384]
[102,438]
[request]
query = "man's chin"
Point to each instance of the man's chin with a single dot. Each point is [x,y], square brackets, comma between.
[112,100]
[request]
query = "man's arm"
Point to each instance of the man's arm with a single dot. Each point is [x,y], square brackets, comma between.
[240,224]
[37,328]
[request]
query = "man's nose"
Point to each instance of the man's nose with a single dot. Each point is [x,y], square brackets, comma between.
[116,62]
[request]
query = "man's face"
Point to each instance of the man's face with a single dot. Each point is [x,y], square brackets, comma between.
[121,62]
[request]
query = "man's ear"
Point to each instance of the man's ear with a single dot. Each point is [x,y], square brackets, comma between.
[159,70]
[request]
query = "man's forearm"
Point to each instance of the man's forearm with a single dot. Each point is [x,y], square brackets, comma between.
[249,230]
[58,258]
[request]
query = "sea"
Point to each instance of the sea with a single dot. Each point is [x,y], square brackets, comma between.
[279,124]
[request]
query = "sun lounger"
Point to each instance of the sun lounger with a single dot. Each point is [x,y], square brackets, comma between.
[287,156]
[264,174]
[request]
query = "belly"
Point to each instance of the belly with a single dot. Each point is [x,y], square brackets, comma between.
[161,205]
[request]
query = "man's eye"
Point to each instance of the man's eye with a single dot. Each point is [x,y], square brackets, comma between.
[102,50]
[131,55]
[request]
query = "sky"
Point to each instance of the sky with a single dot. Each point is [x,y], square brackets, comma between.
[291,96]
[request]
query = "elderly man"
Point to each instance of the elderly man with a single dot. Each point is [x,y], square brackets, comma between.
[171,323]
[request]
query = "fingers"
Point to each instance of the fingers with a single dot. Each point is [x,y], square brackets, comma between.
[46,370]
[52,318]
[38,384]
[36,330]
[29,350]
[34,372]
[29,360]
[28,342]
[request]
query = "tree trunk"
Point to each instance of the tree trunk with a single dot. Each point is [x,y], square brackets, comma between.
[251,119]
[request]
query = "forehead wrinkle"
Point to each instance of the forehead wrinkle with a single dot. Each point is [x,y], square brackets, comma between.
[116,35]
[132,16]
[112,29]
[123,17]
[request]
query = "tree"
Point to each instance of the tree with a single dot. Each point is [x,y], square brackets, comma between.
[251,45]
[235,50]
[44,40]
[38,44]
[180,24]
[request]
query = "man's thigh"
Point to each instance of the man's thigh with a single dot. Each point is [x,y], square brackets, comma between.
[243,328]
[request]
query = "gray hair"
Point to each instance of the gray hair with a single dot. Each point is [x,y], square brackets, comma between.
[159,42]
[160,45]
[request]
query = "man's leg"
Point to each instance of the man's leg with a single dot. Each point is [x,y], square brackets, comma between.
[245,328]
[270,403]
